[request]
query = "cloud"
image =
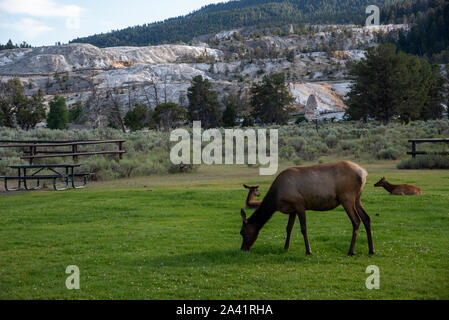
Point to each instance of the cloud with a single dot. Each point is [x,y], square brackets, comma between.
[44,8]
[30,28]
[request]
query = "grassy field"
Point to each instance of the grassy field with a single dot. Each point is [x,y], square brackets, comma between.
[177,237]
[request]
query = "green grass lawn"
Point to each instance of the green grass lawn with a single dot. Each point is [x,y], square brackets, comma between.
[177,237]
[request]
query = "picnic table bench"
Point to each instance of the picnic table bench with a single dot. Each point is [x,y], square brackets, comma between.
[66,172]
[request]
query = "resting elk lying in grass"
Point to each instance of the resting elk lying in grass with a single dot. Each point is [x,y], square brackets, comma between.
[398,189]
[320,187]
[253,192]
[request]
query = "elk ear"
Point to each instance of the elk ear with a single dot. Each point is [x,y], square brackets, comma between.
[256,187]
[242,212]
[245,186]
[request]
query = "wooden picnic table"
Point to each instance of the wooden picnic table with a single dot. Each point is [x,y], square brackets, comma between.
[58,171]
[33,148]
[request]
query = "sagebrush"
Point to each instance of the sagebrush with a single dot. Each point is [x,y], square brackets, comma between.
[148,152]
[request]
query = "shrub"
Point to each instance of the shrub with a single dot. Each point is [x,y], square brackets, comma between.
[319,146]
[310,154]
[388,154]
[127,167]
[346,145]
[331,141]
[182,168]
[287,153]
[301,119]
[297,143]
[431,161]
[149,152]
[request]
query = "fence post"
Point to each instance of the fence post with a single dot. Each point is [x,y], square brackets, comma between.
[75,150]
[32,153]
[413,149]
[120,148]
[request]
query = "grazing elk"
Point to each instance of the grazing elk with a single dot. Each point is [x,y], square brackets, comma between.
[320,187]
[253,192]
[253,204]
[398,189]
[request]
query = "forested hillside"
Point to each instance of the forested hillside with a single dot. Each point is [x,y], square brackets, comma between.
[235,14]
[429,34]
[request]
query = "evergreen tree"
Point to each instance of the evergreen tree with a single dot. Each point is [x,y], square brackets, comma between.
[58,116]
[433,108]
[271,99]
[10,45]
[7,102]
[6,115]
[31,112]
[203,103]
[77,114]
[374,91]
[136,119]
[428,35]
[388,84]
[230,113]
[167,114]
[413,80]
[16,107]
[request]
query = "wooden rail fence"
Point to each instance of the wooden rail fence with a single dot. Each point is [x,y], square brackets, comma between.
[414,142]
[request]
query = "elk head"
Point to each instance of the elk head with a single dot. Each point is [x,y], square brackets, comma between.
[381,182]
[254,190]
[248,232]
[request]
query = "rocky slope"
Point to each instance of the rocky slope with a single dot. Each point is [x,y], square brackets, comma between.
[77,57]
[315,64]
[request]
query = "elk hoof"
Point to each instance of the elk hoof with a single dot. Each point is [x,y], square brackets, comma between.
[350,254]
[372,252]
[309,253]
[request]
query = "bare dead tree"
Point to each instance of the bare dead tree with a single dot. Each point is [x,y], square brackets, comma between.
[96,106]
[114,108]
[147,95]
[165,89]
[154,95]
[182,100]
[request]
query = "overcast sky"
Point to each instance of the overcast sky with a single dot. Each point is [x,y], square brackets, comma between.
[44,22]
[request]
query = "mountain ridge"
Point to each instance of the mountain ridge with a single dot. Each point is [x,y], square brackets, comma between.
[234,14]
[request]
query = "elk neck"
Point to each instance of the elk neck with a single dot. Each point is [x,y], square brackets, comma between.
[250,196]
[265,211]
[388,186]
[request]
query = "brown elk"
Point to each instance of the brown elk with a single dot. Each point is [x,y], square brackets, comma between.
[253,192]
[320,187]
[398,189]
[254,204]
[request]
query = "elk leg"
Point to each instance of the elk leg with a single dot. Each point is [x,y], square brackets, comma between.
[367,223]
[302,220]
[291,223]
[355,219]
